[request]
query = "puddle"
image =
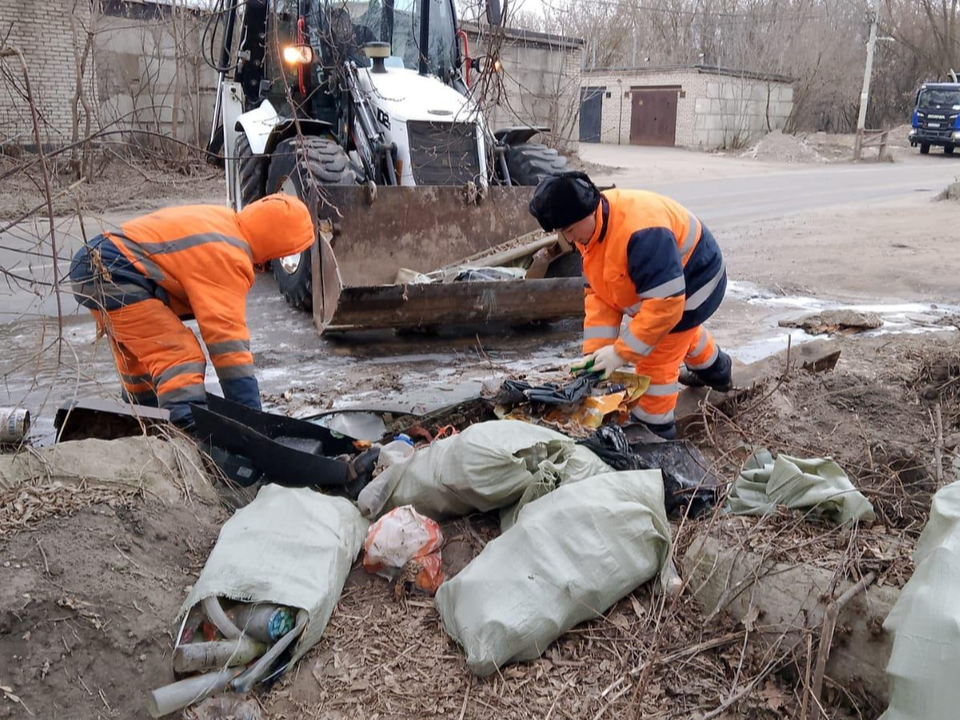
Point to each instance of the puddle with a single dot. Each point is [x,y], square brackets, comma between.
[898,318]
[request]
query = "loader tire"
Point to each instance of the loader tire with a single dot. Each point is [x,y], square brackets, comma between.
[293,164]
[529,163]
[252,171]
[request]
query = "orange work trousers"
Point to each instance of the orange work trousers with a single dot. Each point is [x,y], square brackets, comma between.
[157,356]
[696,348]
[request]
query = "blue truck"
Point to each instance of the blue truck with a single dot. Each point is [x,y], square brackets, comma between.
[936,117]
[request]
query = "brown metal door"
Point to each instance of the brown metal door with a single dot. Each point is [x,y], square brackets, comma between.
[653,117]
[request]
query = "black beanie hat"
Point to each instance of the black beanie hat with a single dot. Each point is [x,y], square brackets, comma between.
[561,200]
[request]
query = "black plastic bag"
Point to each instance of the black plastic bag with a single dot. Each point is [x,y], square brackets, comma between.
[514,392]
[688,479]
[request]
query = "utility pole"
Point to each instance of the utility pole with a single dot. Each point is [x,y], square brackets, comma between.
[868,70]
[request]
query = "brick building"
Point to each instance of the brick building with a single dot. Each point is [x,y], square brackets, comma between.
[51,37]
[689,106]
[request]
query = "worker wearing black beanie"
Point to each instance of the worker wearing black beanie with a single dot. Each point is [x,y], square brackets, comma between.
[647,257]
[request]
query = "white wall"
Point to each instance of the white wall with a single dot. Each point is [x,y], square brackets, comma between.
[713,110]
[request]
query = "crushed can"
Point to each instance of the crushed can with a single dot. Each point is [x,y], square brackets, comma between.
[14,425]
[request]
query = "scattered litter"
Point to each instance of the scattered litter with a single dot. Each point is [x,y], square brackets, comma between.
[394,452]
[816,484]
[925,622]
[577,407]
[690,485]
[288,551]
[514,392]
[488,466]
[355,424]
[14,425]
[569,557]
[463,273]
[832,321]
[405,545]
[225,707]
[285,450]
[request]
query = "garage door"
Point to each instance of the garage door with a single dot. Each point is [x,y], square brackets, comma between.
[653,116]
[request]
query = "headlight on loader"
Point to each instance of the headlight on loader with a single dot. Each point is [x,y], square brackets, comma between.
[298,54]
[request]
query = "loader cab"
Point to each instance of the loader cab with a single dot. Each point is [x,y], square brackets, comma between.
[936,117]
[337,31]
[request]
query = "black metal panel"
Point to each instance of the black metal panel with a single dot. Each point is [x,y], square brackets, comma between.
[443,153]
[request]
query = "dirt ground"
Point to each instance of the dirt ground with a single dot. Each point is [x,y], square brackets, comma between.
[89,598]
[116,185]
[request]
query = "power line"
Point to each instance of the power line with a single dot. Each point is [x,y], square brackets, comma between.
[678,12]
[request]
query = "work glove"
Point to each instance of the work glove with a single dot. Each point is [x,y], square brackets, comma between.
[604,360]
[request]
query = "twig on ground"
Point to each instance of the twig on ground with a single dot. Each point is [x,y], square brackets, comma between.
[826,635]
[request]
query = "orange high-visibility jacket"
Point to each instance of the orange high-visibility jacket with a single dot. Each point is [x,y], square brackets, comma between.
[651,259]
[203,257]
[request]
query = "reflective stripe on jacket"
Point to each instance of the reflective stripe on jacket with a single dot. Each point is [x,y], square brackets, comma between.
[199,256]
[652,260]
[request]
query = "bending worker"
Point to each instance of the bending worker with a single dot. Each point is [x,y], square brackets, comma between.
[645,256]
[196,260]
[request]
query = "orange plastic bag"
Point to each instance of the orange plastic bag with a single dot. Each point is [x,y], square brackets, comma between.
[404,537]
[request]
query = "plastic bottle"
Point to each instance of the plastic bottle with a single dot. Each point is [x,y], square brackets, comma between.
[264,622]
[396,451]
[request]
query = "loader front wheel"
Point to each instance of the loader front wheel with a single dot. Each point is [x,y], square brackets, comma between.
[296,164]
[252,170]
[529,163]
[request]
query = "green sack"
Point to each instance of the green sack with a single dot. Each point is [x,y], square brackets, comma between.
[570,556]
[818,484]
[490,465]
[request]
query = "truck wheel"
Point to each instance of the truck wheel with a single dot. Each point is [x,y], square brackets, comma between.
[293,164]
[252,170]
[948,149]
[529,163]
[924,148]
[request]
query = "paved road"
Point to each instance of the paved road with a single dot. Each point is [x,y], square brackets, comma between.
[728,191]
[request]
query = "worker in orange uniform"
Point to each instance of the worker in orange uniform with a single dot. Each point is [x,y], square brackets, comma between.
[647,257]
[193,261]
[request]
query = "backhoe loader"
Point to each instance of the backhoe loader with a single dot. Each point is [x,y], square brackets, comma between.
[361,108]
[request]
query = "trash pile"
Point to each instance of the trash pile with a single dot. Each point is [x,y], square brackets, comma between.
[581,497]
[577,407]
[280,602]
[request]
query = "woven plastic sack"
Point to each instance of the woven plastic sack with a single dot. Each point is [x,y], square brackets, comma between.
[925,623]
[570,556]
[405,536]
[290,546]
[488,466]
[818,485]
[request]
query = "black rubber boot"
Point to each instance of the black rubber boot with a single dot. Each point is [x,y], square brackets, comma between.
[718,376]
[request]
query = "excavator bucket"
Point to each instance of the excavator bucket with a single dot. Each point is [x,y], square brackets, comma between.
[366,236]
